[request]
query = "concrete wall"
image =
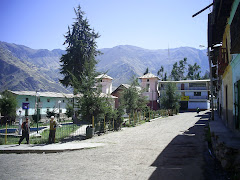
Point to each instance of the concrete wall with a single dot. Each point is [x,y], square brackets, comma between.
[152,92]
[235,64]
[199,104]
[227,98]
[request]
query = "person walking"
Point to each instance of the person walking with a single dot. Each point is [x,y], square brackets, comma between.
[25,131]
[52,132]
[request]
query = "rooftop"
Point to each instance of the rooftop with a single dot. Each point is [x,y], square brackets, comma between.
[103,76]
[42,94]
[187,81]
[148,76]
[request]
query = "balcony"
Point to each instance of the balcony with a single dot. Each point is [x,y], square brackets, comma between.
[222,60]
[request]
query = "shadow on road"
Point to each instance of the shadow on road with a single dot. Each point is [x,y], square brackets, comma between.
[185,156]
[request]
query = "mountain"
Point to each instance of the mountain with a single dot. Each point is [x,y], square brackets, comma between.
[23,68]
[122,62]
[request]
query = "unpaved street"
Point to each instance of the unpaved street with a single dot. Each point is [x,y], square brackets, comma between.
[169,148]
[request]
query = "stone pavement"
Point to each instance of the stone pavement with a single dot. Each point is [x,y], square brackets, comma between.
[47,148]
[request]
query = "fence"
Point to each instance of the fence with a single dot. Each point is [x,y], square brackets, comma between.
[67,130]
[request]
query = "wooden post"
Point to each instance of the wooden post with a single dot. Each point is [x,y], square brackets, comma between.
[129,115]
[93,121]
[113,124]
[104,124]
[144,116]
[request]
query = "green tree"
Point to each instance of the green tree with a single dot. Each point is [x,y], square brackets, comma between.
[8,105]
[79,68]
[170,98]
[193,71]
[206,75]
[161,72]
[81,48]
[131,98]
[178,71]
[174,73]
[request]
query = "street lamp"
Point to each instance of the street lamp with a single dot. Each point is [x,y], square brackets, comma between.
[37,103]
[59,102]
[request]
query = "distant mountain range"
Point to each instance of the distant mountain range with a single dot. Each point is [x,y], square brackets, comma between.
[23,68]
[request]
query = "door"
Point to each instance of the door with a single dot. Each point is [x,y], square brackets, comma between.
[237,104]
[182,86]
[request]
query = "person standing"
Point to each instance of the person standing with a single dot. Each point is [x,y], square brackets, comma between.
[25,131]
[20,123]
[52,132]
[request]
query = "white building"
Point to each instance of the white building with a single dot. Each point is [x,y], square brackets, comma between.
[194,93]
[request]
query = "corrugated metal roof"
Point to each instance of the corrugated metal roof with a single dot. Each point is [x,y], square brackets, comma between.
[42,94]
[148,76]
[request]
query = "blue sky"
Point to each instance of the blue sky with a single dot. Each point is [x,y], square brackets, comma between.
[150,24]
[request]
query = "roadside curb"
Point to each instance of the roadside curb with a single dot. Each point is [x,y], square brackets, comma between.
[50,148]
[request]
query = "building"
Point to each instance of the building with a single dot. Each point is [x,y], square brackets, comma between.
[117,92]
[47,101]
[224,54]
[149,83]
[106,83]
[194,93]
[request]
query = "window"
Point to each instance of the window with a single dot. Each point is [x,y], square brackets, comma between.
[147,80]
[63,101]
[48,100]
[197,93]
[26,99]
[148,88]
[197,84]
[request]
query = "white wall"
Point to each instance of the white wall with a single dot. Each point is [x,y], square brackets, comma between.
[199,104]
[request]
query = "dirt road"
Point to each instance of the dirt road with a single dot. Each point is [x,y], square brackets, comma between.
[167,148]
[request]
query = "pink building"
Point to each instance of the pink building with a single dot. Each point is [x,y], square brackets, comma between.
[106,83]
[149,83]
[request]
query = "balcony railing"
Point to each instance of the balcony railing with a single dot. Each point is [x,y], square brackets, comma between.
[222,60]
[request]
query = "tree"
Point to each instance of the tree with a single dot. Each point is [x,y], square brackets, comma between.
[131,98]
[178,71]
[8,104]
[174,73]
[170,98]
[79,68]
[193,71]
[161,72]
[81,48]
[146,71]
[206,75]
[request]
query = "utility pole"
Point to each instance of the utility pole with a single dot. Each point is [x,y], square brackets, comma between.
[211,85]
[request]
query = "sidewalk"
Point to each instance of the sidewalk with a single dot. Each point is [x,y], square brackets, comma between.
[225,144]
[47,148]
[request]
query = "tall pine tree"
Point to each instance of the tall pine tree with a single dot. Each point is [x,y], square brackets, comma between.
[81,48]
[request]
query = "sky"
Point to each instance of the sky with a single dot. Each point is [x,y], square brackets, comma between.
[150,24]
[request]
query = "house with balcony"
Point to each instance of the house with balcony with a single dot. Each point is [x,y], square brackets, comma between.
[194,93]
[224,54]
